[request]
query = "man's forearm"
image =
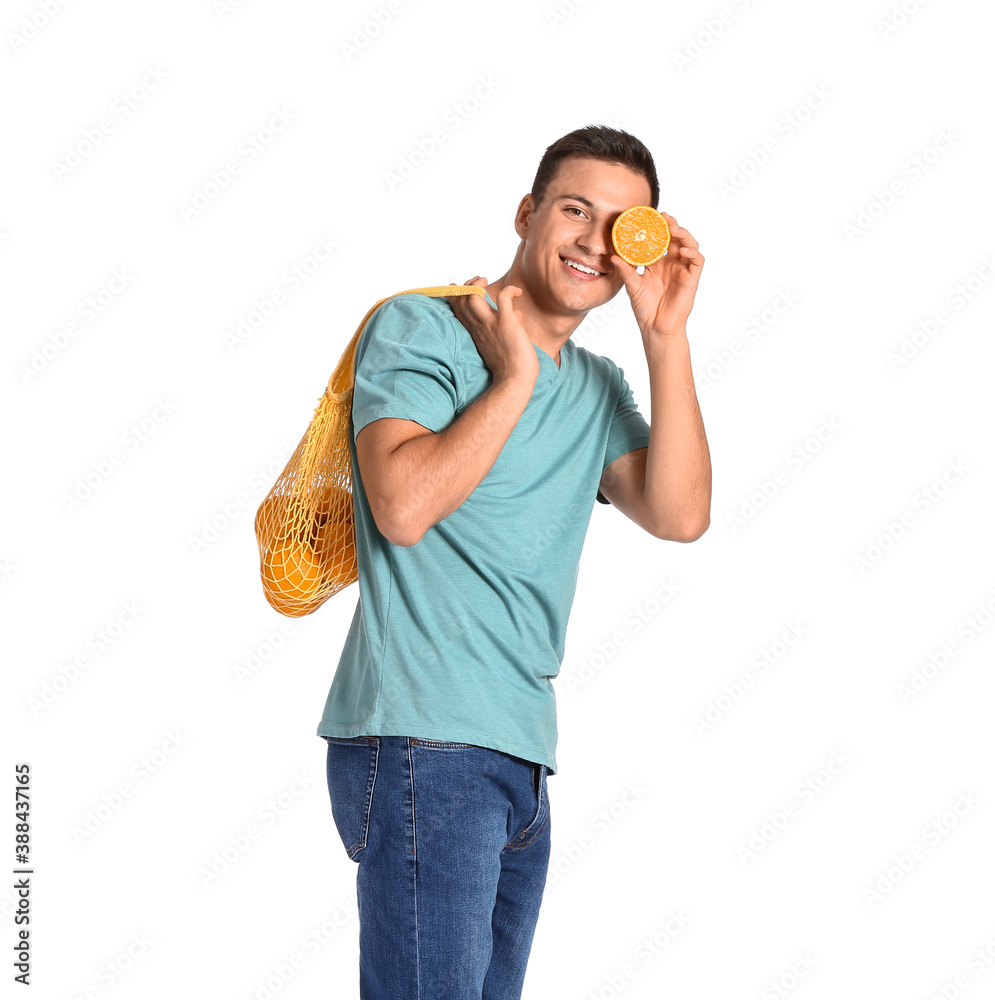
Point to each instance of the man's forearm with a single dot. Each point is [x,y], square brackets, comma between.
[678,485]
[433,474]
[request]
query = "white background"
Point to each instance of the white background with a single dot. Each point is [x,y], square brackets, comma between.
[873,541]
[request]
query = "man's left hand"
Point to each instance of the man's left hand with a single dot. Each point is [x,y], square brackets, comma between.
[663,294]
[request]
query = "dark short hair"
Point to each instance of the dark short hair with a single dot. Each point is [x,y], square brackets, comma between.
[597,142]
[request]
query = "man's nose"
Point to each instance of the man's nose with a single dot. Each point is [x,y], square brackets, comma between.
[596,239]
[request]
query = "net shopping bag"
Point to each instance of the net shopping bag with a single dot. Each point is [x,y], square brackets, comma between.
[305,527]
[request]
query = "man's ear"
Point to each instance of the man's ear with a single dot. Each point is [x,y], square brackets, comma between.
[526,207]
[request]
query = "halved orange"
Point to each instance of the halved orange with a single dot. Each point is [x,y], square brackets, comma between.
[641,235]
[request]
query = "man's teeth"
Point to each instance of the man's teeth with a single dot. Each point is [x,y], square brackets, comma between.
[580,267]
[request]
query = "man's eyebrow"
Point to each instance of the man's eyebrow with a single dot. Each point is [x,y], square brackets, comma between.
[576,197]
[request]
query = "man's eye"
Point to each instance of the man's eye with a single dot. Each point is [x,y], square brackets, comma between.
[577,210]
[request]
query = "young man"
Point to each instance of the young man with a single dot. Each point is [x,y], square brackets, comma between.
[481,438]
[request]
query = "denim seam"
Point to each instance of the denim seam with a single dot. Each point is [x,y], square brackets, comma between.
[414,855]
[375,751]
[414,828]
[371,780]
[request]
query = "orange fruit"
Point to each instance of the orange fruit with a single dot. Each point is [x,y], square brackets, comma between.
[335,504]
[331,503]
[272,515]
[304,564]
[290,569]
[641,235]
[335,549]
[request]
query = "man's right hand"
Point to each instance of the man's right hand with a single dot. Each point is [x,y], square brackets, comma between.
[500,337]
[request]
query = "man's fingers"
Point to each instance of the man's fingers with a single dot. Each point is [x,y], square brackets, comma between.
[506,296]
[467,307]
[478,307]
[628,272]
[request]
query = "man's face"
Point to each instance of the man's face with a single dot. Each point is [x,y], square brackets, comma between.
[572,225]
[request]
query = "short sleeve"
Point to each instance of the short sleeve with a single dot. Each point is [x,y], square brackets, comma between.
[628,431]
[406,367]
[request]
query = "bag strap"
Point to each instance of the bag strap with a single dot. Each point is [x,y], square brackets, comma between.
[344,375]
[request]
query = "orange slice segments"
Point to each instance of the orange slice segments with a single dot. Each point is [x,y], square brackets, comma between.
[640,235]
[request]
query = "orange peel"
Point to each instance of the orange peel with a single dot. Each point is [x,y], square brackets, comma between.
[291,570]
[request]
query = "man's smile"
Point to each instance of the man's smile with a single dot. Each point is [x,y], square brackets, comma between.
[581,269]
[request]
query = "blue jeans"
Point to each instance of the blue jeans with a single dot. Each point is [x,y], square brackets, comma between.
[452,842]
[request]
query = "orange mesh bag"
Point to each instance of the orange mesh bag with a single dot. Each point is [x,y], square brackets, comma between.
[304,526]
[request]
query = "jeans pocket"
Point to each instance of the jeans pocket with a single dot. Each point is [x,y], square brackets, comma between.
[540,817]
[351,767]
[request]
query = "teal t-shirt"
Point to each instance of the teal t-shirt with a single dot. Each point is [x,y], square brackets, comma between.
[459,636]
